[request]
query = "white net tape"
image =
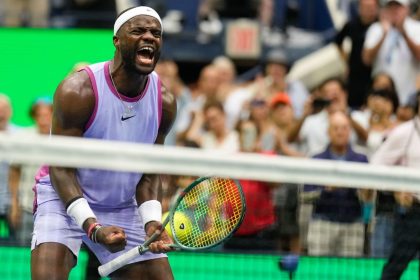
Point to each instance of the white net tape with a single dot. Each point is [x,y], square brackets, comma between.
[90,153]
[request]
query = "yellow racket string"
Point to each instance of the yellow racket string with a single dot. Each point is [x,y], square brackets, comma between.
[208,213]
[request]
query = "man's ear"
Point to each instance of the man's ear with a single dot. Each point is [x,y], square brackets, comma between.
[116,41]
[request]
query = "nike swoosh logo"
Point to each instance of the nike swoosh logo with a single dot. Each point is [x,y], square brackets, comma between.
[124,119]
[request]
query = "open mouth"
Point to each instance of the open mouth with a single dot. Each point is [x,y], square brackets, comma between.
[146,55]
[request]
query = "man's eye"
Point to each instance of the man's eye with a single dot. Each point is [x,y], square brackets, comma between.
[137,32]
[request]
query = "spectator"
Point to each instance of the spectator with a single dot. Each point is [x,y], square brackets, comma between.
[286,194]
[379,116]
[276,68]
[9,200]
[393,45]
[286,205]
[311,130]
[260,134]
[207,87]
[359,74]
[26,12]
[402,147]
[380,120]
[258,229]
[281,113]
[6,114]
[336,227]
[216,136]
[168,72]
[236,101]
[383,81]
[41,113]
[266,85]
[227,76]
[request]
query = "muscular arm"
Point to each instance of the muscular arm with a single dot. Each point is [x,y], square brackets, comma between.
[73,105]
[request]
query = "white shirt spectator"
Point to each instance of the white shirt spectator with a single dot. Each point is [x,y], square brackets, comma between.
[402,147]
[230,144]
[313,136]
[395,57]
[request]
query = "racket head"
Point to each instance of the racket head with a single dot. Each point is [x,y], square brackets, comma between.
[207,212]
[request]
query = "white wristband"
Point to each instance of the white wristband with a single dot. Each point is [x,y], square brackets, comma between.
[150,210]
[80,211]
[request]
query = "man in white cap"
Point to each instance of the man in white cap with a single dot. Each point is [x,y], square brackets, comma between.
[111,212]
[392,45]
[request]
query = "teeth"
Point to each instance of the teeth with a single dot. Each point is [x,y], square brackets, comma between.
[149,49]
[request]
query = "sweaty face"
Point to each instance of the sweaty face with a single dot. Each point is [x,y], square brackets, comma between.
[139,41]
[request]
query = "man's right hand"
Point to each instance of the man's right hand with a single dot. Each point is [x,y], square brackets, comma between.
[385,19]
[111,237]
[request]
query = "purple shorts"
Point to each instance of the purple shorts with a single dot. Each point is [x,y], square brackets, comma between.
[52,224]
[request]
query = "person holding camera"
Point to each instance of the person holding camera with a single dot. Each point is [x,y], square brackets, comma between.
[310,131]
[311,134]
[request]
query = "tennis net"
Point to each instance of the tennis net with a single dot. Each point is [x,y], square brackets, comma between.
[284,215]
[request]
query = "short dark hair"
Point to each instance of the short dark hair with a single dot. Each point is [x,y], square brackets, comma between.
[213,103]
[47,101]
[389,94]
[339,80]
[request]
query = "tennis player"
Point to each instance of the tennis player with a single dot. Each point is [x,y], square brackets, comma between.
[111,212]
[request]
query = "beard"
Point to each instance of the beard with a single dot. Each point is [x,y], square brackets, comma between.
[129,58]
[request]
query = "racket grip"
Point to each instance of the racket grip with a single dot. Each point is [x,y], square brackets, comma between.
[118,262]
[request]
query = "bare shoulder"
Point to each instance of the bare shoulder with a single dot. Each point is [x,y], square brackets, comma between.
[75,87]
[74,102]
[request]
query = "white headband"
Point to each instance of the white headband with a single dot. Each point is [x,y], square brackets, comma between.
[137,11]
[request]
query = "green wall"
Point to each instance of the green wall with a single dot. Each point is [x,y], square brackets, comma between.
[34,61]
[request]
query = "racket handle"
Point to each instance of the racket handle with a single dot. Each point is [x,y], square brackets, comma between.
[118,262]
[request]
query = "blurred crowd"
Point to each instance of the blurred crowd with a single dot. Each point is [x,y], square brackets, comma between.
[352,117]
[345,118]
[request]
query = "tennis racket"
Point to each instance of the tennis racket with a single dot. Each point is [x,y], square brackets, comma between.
[204,215]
